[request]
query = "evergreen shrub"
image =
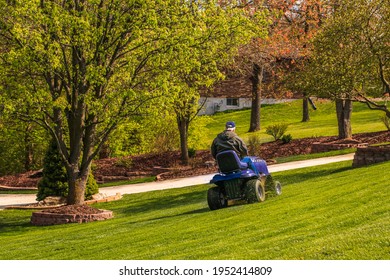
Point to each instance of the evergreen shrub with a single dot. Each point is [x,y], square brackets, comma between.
[191,152]
[55,180]
[286,138]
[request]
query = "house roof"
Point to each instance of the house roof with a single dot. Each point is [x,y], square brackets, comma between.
[241,87]
[232,87]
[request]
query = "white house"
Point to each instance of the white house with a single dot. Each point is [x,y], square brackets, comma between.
[220,104]
[235,93]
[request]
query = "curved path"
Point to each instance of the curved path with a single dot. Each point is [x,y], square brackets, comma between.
[20,199]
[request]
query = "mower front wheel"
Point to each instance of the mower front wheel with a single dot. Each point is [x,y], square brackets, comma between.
[278,188]
[216,199]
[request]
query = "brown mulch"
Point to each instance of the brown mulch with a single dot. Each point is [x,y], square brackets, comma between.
[74,209]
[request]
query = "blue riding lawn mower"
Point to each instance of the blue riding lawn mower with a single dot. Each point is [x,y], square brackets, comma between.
[238,179]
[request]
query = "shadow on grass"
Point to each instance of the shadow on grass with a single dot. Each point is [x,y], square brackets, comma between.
[174,215]
[155,206]
[15,226]
[161,206]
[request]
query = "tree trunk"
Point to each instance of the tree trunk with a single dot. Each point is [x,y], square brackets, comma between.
[305,109]
[28,146]
[77,184]
[257,77]
[183,131]
[344,112]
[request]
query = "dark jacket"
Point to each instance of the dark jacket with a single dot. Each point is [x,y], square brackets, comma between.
[228,140]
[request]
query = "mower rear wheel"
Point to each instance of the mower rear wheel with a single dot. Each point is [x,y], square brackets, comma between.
[216,199]
[254,191]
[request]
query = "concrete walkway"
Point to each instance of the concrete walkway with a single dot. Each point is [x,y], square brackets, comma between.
[21,199]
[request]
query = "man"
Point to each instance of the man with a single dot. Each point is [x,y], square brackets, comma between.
[228,140]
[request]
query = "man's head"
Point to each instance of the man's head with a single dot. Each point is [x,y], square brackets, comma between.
[230,126]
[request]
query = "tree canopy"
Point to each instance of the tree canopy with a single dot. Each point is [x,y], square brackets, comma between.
[351,57]
[82,67]
[217,32]
[352,52]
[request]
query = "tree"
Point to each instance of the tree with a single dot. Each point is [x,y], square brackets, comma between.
[332,76]
[256,79]
[89,66]
[216,33]
[295,25]
[22,142]
[254,61]
[273,63]
[350,59]
[22,145]
[372,41]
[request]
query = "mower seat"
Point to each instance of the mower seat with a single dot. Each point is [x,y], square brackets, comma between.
[228,162]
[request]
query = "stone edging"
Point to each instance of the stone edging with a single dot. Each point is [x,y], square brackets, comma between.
[7,188]
[318,147]
[117,196]
[45,218]
[370,155]
[42,218]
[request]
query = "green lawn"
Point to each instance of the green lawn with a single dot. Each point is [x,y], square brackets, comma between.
[322,122]
[325,212]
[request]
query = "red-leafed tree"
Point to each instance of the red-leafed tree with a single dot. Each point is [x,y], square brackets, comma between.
[279,58]
[294,24]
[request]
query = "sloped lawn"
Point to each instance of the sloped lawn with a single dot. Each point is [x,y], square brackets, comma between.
[325,212]
[323,121]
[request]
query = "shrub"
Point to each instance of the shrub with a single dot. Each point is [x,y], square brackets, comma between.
[55,179]
[91,188]
[191,152]
[276,130]
[165,142]
[286,138]
[254,144]
[126,162]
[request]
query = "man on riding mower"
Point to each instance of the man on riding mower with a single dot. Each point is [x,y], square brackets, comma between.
[228,140]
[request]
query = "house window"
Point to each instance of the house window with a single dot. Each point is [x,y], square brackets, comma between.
[232,102]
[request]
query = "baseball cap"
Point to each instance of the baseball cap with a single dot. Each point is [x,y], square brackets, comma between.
[230,125]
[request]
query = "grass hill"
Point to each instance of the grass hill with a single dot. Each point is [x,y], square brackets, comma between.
[323,121]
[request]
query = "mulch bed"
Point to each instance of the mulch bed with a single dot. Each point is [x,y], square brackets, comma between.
[74,209]
[69,214]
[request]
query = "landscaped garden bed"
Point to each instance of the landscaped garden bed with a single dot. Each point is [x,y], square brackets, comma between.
[69,214]
[371,155]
